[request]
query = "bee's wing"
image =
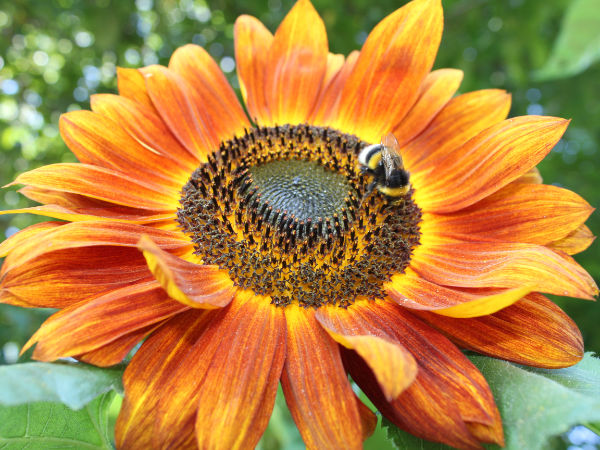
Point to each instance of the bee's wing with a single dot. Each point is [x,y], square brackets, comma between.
[390,154]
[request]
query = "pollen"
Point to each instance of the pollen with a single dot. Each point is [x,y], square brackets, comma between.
[289,213]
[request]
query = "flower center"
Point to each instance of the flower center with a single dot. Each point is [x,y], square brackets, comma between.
[289,213]
[303,188]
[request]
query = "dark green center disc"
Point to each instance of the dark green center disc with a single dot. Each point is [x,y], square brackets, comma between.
[303,188]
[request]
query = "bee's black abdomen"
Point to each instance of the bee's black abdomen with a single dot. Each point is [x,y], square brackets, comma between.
[397,178]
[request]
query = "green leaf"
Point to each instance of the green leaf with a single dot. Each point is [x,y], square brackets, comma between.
[403,440]
[74,385]
[578,43]
[46,425]
[535,404]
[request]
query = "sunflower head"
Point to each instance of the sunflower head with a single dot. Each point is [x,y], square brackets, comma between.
[288,213]
[356,219]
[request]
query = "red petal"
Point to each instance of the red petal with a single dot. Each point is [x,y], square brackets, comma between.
[220,107]
[147,372]
[59,279]
[424,409]
[181,387]
[75,207]
[99,214]
[296,65]
[435,356]
[530,213]
[92,234]
[392,364]
[486,163]
[316,387]
[393,62]
[145,126]
[241,382]
[437,89]
[507,265]
[172,97]
[99,141]
[252,43]
[115,351]
[533,331]
[84,327]
[197,286]
[368,419]
[99,183]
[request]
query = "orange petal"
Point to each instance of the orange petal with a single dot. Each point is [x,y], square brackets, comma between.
[172,97]
[507,265]
[100,183]
[188,283]
[74,207]
[393,62]
[241,382]
[145,126]
[150,368]
[114,352]
[98,140]
[326,108]
[533,331]
[180,388]
[461,119]
[296,65]
[368,419]
[10,299]
[62,278]
[414,292]
[575,242]
[58,212]
[252,43]
[84,327]
[532,176]
[437,89]
[519,212]
[486,163]
[221,110]
[131,85]
[448,390]
[93,234]
[316,387]
[424,409]
[31,232]
[335,63]
[486,304]
[434,354]
[491,434]
[393,366]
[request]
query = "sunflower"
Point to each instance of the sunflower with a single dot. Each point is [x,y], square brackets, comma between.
[245,250]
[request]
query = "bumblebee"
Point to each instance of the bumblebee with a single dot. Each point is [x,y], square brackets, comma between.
[384,163]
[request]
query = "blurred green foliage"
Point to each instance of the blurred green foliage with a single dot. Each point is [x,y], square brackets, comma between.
[55,53]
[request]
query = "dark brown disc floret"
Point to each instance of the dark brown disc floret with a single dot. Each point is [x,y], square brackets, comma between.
[288,212]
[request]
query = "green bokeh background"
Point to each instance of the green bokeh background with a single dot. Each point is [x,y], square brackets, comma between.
[55,53]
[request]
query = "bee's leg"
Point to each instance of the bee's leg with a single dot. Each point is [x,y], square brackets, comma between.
[370,188]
